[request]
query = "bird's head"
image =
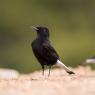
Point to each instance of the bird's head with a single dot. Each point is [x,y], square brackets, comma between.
[42,31]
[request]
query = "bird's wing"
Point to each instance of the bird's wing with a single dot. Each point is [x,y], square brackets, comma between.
[49,52]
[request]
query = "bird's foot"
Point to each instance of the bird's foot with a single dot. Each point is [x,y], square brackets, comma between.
[70,72]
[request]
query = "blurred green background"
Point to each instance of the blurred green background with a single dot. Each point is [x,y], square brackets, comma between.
[71,24]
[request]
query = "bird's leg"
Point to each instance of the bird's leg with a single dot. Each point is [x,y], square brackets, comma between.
[43,70]
[49,70]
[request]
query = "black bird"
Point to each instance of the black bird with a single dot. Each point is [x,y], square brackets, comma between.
[44,52]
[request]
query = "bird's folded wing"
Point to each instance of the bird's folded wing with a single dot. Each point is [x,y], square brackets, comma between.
[49,52]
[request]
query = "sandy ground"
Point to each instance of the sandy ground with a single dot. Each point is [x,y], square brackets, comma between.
[59,83]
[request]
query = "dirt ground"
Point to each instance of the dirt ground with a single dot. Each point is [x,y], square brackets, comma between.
[59,83]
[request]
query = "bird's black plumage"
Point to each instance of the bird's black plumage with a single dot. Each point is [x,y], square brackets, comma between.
[43,50]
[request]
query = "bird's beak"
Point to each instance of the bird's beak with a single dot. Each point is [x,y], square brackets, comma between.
[34,28]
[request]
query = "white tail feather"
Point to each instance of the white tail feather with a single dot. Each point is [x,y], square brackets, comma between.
[60,64]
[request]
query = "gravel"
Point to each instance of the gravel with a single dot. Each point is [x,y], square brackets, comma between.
[59,83]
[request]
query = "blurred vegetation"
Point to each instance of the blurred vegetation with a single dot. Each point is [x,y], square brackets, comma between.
[71,24]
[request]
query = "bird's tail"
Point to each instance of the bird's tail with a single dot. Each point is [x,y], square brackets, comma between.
[60,64]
